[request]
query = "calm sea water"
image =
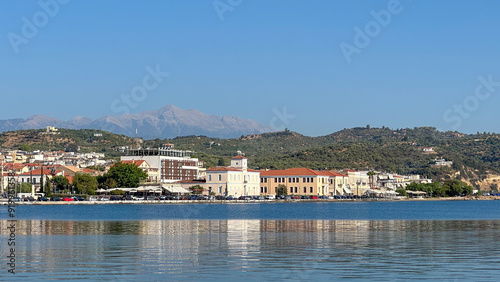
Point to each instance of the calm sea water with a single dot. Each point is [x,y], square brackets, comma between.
[297,241]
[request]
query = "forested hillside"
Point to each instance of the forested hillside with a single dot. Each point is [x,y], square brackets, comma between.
[475,157]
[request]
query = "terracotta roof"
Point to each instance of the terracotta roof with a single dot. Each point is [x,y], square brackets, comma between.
[193,181]
[334,173]
[136,162]
[72,168]
[222,168]
[302,171]
[238,157]
[38,172]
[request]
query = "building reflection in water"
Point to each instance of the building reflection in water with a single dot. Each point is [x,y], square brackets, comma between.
[175,246]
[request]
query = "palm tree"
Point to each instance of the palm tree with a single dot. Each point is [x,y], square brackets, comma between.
[371,175]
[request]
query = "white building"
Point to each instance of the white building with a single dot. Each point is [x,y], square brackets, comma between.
[236,180]
[173,165]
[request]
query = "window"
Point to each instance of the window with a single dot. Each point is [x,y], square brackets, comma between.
[296,190]
[209,177]
[291,189]
[220,190]
[220,177]
[305,189]
[311,189]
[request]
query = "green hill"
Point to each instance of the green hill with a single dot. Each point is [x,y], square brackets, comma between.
[476,157]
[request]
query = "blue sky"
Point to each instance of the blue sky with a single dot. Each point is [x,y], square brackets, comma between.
[256,58]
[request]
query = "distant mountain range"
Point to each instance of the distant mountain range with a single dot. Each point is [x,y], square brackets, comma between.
[166,122]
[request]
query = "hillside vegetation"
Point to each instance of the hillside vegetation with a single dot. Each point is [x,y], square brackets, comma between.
[476,157]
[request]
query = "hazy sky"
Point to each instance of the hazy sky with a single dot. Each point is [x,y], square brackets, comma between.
[329,64]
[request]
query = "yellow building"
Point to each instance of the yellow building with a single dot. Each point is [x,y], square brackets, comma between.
[298,181]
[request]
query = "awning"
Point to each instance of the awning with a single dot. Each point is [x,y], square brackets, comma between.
[415,192]
[148,188]
[176,189]
[339,191]
[347,190]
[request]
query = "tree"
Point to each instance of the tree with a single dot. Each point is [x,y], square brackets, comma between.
[41,181]
[72,148]
[85,183]
[196,189]
[117,192]
[371,175]
[282,190]
[47,188]
[25,147]
[494,187]
[60,182]
[402,192]
[456,187]
[25,187]
[126,175]
[110,183]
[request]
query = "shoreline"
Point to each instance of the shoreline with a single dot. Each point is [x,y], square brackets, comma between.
[166,202]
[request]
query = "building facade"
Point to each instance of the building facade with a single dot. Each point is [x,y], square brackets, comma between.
[236,180]
[172,165]
[298,181]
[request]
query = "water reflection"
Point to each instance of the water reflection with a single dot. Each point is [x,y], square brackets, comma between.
[295,249]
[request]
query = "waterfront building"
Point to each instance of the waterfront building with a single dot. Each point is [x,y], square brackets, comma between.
[339,184]
[298,181]
[153,173]
[236,180]
[358,181]
[173,165]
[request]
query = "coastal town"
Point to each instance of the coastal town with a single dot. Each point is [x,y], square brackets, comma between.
[170,172]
